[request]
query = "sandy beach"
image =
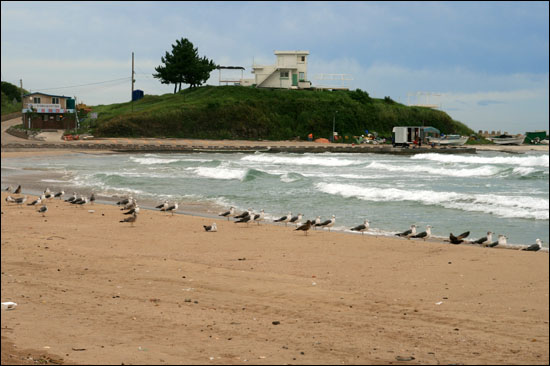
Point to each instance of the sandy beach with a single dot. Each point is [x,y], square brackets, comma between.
[90,289]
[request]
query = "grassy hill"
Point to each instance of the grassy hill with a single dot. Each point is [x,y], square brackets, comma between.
[232,112]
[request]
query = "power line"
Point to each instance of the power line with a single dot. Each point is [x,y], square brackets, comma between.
[76,86]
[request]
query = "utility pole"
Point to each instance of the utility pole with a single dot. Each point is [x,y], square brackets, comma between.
[21,82]
[132,96]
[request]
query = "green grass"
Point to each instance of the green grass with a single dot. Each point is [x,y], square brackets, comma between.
[231,112]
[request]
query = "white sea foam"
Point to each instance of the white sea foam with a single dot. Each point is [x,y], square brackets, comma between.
[219,172]
[54,181]
[317,160]
[482,171]
[528,160]
[501,205]
[151,160]
[523,171]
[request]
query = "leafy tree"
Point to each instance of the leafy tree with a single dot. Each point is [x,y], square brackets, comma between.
[183,65]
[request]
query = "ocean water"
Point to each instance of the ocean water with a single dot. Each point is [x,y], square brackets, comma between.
[488,191]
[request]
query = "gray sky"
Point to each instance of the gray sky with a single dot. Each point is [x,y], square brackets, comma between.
[485,63]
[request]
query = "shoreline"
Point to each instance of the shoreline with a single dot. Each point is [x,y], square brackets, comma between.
[205,209]
[166,291]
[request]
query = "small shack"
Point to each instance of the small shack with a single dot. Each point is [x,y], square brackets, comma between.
[46,111]
[407,135]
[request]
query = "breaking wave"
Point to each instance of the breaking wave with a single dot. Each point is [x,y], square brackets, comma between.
[504,206]
[529,160]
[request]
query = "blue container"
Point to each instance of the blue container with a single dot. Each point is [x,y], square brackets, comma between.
[137,95]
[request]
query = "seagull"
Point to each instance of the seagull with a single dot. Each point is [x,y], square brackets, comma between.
[454,240]
[285,218]
[534,247]
[463,235]
[163,206]
[131,219]
[246,219]
[425,234]
[92,198]
[135,209]
[296,219]
[124,201]
[305,227]
[229,213]
[59,194]
[21,200]
[259,217]
[47,193]
[328,223]
[18,189]
[362,228]
[130,205]
[72,198]
[10,199]
[172,208]
[211,228]
[82,202]
[43,209]
[78,200]
[488,238]
[501,240]
[316,223]
[35,202]
[411,231]
[244,214]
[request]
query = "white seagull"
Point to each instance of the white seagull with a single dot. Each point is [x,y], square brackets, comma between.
[285,219]
[259,217]
[229,213]
[534,247]
[362,228]
[425,234]
[211,228]
[172,208]
[43,210]
[328,223]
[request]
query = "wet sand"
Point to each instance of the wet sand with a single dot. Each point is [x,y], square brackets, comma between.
[93,290]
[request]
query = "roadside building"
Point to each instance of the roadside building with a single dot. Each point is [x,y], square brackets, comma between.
[46,111]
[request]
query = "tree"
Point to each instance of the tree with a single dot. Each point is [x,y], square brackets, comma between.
[183,65]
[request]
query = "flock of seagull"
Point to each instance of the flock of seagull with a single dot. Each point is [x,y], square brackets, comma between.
[249,216]
[45,197]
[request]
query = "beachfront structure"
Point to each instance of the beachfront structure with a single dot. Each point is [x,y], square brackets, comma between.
[46,111]
[407,135]
[289,72]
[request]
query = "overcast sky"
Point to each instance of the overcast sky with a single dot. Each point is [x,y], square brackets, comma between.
[488,61]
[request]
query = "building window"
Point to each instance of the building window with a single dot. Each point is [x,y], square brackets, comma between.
[36,100]
[45,117]
[302,76]
[55,100]
[284,74]
[303,58]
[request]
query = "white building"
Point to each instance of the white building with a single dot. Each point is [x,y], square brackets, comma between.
[290,72]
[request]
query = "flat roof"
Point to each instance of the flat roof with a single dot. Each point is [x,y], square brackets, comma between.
[49,95]
[292,52]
